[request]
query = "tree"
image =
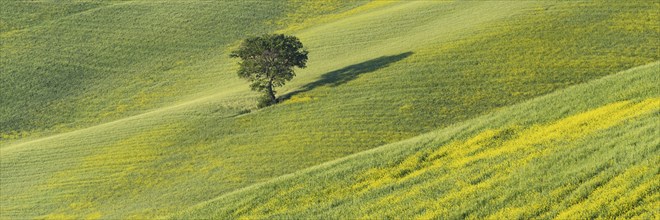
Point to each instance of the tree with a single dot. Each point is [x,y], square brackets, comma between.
[268,61]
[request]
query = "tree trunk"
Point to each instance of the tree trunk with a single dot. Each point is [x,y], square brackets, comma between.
[271,93]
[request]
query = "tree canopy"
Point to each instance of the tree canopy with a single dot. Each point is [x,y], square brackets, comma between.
[267,61]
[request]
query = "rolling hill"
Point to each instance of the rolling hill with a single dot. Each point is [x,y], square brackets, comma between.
[131,109]
[564,155]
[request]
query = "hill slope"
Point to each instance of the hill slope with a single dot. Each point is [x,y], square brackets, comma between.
[564,155]
[70,65]
[366,86]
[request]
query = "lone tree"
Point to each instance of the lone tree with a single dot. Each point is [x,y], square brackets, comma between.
[267,61]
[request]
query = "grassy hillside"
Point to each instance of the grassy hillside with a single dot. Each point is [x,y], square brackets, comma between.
[69,65]
[378,73]
[584,152]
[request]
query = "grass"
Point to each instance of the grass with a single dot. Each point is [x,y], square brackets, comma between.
[85,63]
[162,119]
[564,155]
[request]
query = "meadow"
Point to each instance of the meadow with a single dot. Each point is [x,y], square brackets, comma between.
[133,110]
[564,155]
[75,64]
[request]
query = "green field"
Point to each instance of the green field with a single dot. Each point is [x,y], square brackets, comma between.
[562,156]
[484,109]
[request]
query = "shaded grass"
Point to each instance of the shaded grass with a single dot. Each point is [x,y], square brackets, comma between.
[346,74]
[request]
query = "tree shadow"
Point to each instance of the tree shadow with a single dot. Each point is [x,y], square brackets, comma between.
[346,74]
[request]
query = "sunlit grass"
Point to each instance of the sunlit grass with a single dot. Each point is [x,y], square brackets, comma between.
[76,64]
[557,162]
[163,122]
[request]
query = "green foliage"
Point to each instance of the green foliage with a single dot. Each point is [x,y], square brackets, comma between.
[268,61]
[265,101]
